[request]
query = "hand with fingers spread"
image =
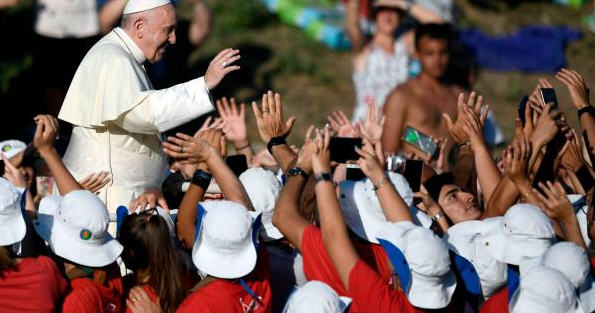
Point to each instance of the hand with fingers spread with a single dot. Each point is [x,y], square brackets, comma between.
[341,125]
[374,123]
[269,118]
[210,123]
[370,160]
[546,127]
[554,201]
[579,93]
[572,157]
[12,174]
[234,122]
[139,302]
[516,161]
[473,125]
[46,133]
[94,182]
[304,159]
[194,150]
[220,66]
[456,129]
[321,154]
[149,199]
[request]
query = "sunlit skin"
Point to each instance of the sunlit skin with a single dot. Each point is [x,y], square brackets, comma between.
[433,56]
[458,205]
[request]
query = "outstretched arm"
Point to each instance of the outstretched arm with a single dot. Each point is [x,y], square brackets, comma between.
[356,36]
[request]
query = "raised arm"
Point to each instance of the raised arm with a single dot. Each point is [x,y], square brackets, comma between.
[200,27]
[234,125]
[356,36]
[287,217]
[334,230]
[109,15]
[44,140]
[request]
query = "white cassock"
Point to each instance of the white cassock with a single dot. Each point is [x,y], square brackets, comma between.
[118,118]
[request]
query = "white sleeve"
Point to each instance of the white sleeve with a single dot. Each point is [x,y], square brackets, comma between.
[180,104]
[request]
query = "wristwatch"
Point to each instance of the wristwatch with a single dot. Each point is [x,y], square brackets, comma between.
[323,177]
[275,141]
[201,179]
[588,109]
[295,171]
[438,215]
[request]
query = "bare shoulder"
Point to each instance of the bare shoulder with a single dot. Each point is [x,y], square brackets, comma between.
[397,99]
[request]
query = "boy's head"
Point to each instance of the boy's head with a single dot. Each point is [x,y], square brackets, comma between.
[432,43]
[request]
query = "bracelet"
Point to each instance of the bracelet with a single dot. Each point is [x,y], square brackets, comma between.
[588,109]
[438,216]
[380,184]
[275,141]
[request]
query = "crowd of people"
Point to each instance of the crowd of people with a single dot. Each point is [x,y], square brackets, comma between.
[401,209]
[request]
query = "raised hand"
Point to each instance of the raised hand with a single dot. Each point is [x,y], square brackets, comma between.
[341,125]
[546,127]
[572,157]
[516,161]
[46,133]
[304,160]
[579,93]
[234,122]
[473,125]
[456,130]
[94,182]
[554,201]
[150,199]
[370,160]
[270,119]
[441,164]
[210,123]
[12,174]
[374,123]
[220,66]
[321,154]
[192,150]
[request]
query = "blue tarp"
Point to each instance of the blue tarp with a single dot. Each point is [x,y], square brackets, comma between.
[530,49]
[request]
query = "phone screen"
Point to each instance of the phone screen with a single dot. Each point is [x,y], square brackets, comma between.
[343,149]
[419,140]
[549,95]
[1,167]
[354,173]
[521,108]
[237,163]
[412,173]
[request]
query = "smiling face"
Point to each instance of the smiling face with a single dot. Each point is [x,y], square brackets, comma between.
[458,205]
[153,30]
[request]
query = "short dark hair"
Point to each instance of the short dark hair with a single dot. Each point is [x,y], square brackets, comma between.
[433,31]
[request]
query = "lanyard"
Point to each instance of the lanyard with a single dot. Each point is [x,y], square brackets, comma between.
[249,290]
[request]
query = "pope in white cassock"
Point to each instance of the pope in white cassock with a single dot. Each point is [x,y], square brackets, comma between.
[116,115]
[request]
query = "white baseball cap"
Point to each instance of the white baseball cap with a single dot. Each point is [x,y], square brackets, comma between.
[11,148]
[361,208]
[75,226]
[544,290]
[263,188]
[12,223]
[523,232]
[432,282]
[464,239]
[316,297]
[135,6]
[224,247]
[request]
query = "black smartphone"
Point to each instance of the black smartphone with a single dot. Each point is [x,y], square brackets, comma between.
[521,108]
[237,163]
[1,168]
[549,95]
[354,173]
[412,173]
[343,149]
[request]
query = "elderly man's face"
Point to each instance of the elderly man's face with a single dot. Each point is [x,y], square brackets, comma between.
[160,32]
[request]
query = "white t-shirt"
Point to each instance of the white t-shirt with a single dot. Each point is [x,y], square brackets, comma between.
[67,18]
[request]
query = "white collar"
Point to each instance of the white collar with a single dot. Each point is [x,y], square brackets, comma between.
[133,48]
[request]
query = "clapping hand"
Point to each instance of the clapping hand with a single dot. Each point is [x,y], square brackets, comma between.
[341,125]
[220,66]
[269,119]
[456,129]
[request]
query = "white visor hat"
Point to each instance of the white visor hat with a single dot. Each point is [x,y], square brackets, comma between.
[12,222]
[316,297]
[263,189]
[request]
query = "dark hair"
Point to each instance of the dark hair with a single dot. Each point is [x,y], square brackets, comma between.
[148,246]
[433,31]
[7,260]
[375,9]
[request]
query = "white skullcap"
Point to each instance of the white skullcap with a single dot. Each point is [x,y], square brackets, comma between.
[135,6]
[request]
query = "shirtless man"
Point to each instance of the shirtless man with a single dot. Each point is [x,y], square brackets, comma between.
[420,102]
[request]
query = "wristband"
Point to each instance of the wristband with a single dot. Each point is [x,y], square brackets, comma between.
[380,184]
[323,177]
[275,141]
[201,179]
[588,109]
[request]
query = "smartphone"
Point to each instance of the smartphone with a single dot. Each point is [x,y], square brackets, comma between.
[354,172]
[549,95]
[419,140]
[343,149]
[1,168]
[412,173]
[45,185]
[237,163]
[521,108]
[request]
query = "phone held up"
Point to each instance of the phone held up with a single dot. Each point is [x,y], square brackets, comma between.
[343,149]
[420,141]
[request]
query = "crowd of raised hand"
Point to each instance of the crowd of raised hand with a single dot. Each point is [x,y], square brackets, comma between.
[291,233]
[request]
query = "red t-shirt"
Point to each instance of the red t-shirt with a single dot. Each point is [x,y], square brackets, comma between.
[497,303]
[88,296]
[319,266]
[229,296]
[152,295]
[34,286]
